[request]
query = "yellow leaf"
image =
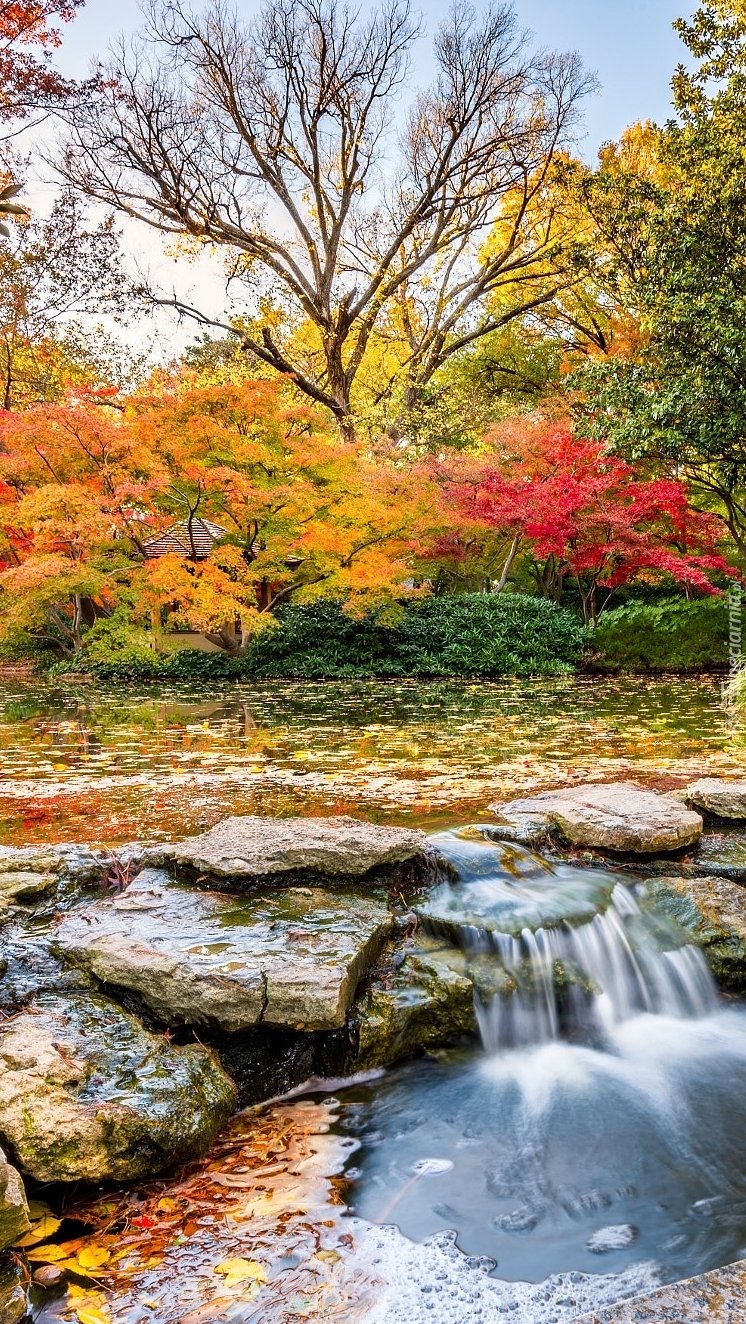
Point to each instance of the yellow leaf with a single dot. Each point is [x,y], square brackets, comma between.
[239,1270]
[328,1256]
[74,1267]
[46,1254]
[92,1315]
[168,1206]
[41,1230]
[92,1257]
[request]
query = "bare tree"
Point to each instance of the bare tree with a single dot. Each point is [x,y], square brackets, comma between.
[277,140]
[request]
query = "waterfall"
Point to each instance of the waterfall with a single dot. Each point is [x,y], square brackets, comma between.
[578,982]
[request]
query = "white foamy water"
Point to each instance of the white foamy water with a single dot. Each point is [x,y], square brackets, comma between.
[434,1283]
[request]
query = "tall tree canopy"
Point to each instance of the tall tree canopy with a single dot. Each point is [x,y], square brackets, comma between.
[671,234]
[53,272]
[278,140]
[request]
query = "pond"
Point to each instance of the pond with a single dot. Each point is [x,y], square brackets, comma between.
[85,762]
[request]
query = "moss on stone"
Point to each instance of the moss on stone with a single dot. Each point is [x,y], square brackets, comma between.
[712,911]
[414,1000]
[86,1093]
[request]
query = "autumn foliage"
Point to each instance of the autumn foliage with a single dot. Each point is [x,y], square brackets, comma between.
[85,486]
[585,515]
[28,36]
[301,513]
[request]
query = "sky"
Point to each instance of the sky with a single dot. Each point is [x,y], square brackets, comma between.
[628,44]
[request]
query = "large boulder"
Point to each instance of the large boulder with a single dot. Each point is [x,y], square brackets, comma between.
[86,1093]
[14,1219]
[291,958]
[618,816]
[713,912]
[241,850]
[723,799]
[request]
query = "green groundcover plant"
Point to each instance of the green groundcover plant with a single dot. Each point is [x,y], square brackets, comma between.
[674,635]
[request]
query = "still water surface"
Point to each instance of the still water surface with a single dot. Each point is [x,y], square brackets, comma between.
[111,763]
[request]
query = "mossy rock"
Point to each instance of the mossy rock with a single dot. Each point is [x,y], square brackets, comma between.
[712,911]
[87,1093]
[14,1219]
[13,1302]
[414,1000]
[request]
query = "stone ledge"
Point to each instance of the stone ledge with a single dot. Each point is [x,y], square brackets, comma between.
[718,1297]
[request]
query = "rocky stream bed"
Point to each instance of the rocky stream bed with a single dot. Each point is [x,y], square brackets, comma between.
[150,992]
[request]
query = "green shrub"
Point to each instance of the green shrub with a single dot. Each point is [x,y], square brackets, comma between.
[469,634]
[482,634]
[668,636]
[317,639]
[115,649]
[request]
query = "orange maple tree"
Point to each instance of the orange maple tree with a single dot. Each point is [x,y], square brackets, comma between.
[85,487]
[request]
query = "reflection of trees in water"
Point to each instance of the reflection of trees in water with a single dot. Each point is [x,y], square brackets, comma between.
[235,715]
[71,735]
[360,722]
[78,732]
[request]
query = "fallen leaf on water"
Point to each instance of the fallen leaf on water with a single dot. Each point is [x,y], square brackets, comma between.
[41,1230]
[92,1257]
[47,1254]
[237,1271]
[214,1309]
[92,1315]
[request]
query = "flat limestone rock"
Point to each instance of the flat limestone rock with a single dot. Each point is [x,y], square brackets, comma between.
[618,816]
[713,912]
[293,958]
[67,860]
[712,1298]
[724,799]
[340,847]
[14,1219]
[23,887]
[86,1093]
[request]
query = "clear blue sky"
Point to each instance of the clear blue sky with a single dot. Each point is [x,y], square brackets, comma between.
[629,44]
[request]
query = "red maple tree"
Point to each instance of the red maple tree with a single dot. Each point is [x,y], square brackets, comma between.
[26,34]
[585,514]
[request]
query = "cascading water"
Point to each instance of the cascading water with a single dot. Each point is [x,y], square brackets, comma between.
[601,1128]
[581,954]
[621,976]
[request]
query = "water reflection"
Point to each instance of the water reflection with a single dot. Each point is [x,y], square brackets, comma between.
[395,749]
